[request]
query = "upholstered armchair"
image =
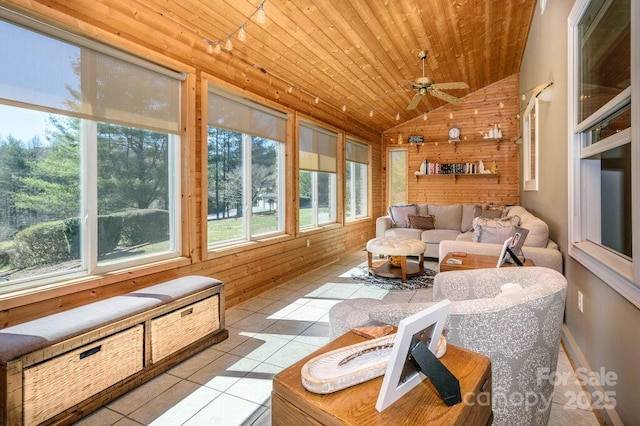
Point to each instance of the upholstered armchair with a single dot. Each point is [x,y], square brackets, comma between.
[511,315]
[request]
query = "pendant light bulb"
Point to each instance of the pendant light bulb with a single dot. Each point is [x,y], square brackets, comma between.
[218,48]
[229,45]
[344,108]
[475,111]
[371,113]
[450,115]
[501,104]
[317,99]
[261,17]
[398,117]
[424,116]
[242,34]
[209,47]
[290,89]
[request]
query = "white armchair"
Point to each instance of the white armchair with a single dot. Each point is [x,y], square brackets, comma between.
[517,326]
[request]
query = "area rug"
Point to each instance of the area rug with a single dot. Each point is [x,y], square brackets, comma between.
[424,280]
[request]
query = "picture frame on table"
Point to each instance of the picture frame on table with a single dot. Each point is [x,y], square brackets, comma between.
[416,341]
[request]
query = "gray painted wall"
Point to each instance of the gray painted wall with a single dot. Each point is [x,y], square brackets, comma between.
[605,335]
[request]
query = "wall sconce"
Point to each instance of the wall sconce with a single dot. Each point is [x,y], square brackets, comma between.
[546,92]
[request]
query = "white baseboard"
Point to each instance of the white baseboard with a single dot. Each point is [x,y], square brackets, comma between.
[609,415]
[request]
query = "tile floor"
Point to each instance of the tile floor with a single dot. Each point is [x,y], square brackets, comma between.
[230,383]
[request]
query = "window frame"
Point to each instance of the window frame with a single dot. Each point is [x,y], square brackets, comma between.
[621,274]
[320,167]
[210,85]
[390,151]
[92,268]
[352,164]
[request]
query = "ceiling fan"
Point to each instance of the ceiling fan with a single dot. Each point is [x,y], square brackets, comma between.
[423,85]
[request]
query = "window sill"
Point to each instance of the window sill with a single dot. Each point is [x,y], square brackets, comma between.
[232,248]
[38,293]
[614,270]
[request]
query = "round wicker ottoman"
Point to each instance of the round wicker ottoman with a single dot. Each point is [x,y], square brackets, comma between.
[400,248]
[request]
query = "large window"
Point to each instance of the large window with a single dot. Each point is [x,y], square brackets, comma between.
[603,150]
[89,156]
[245,152]
[317,176]
[357,180]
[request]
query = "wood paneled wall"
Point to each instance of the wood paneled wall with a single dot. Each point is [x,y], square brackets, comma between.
[246,270]
[495,104]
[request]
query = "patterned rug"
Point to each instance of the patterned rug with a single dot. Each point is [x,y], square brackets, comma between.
[424,280]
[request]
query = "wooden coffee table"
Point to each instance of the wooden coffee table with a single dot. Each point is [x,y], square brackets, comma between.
[475,261]
[292,404]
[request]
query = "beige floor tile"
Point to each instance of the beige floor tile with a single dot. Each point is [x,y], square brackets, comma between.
[224,372]
[176,405]
[291,353]
[227,410]
[195,363]
[139,396]
[102,417]
[261,346]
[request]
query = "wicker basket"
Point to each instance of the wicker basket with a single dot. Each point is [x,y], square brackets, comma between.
[59,383]
[178,329]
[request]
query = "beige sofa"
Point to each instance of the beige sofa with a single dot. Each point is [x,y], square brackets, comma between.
[453,231]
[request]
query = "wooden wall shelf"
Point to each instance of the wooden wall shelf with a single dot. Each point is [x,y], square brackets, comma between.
[456,175]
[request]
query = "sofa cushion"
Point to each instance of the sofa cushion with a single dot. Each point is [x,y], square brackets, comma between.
[434,236]
[538,229]
[405,233]
[493,230]
[420,222]
[468,213]
[447,217]
[490,211]
[466,236]
[399,214]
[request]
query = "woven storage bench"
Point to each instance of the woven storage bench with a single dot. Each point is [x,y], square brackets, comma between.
[59,368]
[180,328]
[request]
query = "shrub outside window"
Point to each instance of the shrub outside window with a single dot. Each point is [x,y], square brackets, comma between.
[89,157]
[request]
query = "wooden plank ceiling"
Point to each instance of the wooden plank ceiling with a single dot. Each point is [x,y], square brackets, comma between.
[362,54]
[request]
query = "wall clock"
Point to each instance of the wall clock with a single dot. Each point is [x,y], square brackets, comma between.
[454,133]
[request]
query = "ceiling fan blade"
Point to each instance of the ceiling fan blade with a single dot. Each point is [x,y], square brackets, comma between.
[452,85]
[415,101]
[445,96]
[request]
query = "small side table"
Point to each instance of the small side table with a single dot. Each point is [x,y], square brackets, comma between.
[475,261]
[292,404]
[400,248]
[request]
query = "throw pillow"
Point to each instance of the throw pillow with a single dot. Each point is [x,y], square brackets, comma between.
[399,214]
[490,211]
[421,222]
[494,231]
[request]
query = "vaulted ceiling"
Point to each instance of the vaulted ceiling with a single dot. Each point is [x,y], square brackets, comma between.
[358,54]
